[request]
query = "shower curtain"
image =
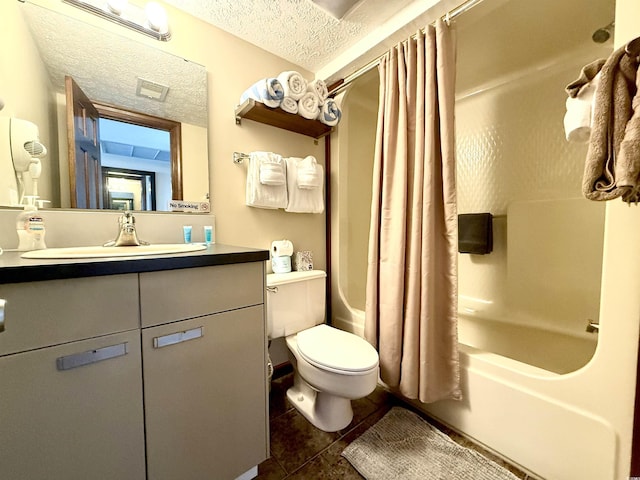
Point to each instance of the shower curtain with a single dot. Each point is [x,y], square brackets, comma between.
[411,298]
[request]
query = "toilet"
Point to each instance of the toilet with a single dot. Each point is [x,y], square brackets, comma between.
[331,366]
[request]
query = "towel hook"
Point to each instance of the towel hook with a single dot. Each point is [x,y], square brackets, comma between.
[633,47]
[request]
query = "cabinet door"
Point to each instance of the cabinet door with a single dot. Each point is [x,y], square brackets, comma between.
[205,396]
[73,411]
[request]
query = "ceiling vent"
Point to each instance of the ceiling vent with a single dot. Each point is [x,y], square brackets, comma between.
[152,90]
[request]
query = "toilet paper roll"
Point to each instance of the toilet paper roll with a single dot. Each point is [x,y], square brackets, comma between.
[281,248]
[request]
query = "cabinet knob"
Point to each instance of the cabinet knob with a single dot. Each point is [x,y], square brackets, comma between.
[2,305]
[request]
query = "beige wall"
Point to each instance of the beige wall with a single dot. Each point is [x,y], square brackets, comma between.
[24,87]
[232,66]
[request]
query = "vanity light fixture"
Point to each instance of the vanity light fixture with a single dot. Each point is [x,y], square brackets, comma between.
[117,6]
[151,20]
[157,19]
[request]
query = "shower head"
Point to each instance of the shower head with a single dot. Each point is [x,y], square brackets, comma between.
[603,34]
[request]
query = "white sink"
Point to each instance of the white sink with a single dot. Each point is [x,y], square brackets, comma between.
[99,252]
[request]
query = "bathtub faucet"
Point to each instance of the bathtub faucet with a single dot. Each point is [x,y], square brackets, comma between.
[593,326]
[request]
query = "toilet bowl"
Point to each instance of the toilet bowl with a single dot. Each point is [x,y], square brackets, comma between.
[327,378]
[331,366]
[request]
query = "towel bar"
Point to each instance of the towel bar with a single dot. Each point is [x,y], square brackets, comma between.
[239,157]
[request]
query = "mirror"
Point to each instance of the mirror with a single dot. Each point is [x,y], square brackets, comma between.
[109,68]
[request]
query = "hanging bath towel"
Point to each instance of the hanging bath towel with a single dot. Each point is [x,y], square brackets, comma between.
[305,181]
[609,171]
[266,185]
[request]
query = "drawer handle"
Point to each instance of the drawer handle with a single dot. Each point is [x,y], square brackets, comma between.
[178,337]
[2,305]
[92,356]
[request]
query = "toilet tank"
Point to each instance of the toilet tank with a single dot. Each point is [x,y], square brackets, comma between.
[295,301]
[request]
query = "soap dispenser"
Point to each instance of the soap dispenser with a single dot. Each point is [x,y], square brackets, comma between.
[30,228]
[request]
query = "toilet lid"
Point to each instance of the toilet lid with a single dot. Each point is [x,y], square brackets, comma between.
[333,349]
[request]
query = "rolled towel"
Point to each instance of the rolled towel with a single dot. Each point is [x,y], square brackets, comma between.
[293,83]
[330,114]
[309,175]
[319,87]
[289,105]
[308,106]
[268,91]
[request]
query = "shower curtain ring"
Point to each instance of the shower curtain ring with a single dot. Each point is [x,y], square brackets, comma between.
[447,19]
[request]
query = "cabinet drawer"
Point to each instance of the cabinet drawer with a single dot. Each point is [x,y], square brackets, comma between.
[39,314]
[173,295]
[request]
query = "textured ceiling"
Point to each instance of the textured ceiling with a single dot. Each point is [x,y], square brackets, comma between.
[68,47]
[297,30]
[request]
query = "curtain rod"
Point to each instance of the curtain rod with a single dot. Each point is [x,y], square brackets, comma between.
[447,17]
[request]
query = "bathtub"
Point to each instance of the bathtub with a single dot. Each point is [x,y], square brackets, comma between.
[554,426]
[558,417]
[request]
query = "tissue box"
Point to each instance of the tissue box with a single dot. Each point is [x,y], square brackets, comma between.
[303,261]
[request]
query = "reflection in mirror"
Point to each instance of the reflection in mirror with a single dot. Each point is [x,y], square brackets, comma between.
[118,73]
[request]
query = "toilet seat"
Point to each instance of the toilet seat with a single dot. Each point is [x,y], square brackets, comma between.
[336,350]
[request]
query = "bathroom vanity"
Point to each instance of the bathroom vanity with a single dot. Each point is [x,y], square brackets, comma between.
[139,367]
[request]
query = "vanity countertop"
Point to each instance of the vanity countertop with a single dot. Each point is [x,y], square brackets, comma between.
[14,269]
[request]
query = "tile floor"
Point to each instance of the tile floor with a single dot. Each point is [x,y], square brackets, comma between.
[299,451]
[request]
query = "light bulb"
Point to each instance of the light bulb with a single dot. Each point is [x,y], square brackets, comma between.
[117,6]
[156,17]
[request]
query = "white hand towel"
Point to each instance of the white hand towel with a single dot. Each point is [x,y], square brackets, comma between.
[261,195]
[293,83]
[309,175]
[303,200]
[319,87]
[268,91]
[289,105]
[577,120]
[579,115]
[330,114]
[272,171]
[308,106]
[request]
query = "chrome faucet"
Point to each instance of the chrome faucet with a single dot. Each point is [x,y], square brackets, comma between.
[127,235]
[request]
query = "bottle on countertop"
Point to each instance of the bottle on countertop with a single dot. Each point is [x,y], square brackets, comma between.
[30,228]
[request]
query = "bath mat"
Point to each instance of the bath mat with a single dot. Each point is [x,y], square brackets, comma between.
[403,446]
